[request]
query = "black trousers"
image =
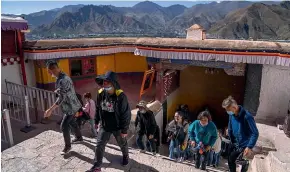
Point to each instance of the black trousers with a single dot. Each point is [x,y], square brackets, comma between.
[234,154]
[151,143]
[68,123]
[201,159]
[102,140]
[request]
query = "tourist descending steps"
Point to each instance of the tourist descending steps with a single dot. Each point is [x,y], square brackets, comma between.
[68,102]
[114,115]
[146,125]
[178,136]
[90,108]
[203,135]
[243,134]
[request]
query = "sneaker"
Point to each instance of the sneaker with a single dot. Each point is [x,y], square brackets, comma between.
[173,159]
[94,169]
[142,151]
[181,159]
[154,153]
[76,140]
[125,160]
[65,150]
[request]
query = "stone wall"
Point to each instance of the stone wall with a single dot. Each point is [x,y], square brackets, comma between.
[274,94]
[252,88]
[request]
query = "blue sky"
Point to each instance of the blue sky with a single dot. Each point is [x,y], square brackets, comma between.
[26,7]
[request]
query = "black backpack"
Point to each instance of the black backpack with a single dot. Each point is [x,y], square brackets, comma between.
[286,125]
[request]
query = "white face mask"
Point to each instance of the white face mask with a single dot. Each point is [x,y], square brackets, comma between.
[203,124]
[143,111]
[108,88]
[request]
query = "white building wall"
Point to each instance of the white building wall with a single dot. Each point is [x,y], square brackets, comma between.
[274,94]
[194,34]
[13,74]
[30,73]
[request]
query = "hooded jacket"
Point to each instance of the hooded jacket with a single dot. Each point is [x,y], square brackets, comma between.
[122,112]
[242,129]
[146,123]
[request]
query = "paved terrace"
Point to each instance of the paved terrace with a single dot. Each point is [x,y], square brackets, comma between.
[42,153]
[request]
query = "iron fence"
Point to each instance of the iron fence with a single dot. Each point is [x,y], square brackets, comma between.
[38,99]
[6,130]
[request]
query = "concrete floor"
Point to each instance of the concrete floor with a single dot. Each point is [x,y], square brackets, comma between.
[41,153]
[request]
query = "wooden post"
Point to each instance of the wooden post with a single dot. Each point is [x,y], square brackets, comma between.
[21,56]
[159,83]
[35,109]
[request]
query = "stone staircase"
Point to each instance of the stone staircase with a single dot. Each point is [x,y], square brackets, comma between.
[42,154]
[271,160]
[274,161]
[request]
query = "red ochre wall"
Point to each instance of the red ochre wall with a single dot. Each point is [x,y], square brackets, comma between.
[129,68]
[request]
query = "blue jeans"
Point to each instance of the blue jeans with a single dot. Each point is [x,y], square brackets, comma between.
[174,150]
[150,143]
[93,129]
[210,158]
[216,159]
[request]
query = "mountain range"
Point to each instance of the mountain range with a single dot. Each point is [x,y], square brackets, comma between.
[227,19]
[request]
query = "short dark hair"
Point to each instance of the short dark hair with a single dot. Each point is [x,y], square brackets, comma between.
[52,65]
[204,114]
[88,95]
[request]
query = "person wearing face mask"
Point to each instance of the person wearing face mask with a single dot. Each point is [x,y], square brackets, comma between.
[146,125]
[69,104]
[242,131]
[114,115]
[203,135]
[177,131]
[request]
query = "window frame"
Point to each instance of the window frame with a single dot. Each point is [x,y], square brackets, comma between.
[82,61]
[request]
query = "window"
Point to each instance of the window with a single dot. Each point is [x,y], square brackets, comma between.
[82,67]
[8,42]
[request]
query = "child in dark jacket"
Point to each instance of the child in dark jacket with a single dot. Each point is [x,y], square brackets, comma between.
[146,125]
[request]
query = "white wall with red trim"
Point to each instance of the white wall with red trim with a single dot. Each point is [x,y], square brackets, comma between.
[274,93]
[11,71]
[30,73]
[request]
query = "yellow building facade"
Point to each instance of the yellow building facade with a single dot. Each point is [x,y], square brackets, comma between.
[120,63]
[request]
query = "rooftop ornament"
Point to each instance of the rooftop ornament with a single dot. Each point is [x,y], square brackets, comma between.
[137,52]
[13,23]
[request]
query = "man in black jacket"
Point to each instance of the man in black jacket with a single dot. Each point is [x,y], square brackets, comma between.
[114,115]
[146,125]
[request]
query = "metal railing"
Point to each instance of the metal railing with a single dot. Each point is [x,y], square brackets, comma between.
[6,131]
[16,106]
[18,109]
[38,99]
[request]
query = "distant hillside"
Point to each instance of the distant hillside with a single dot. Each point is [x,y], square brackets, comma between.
[227,19]
[259,21]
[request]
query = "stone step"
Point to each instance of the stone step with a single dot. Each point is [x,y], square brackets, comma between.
[42,154]
[279,161]
[259,164]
